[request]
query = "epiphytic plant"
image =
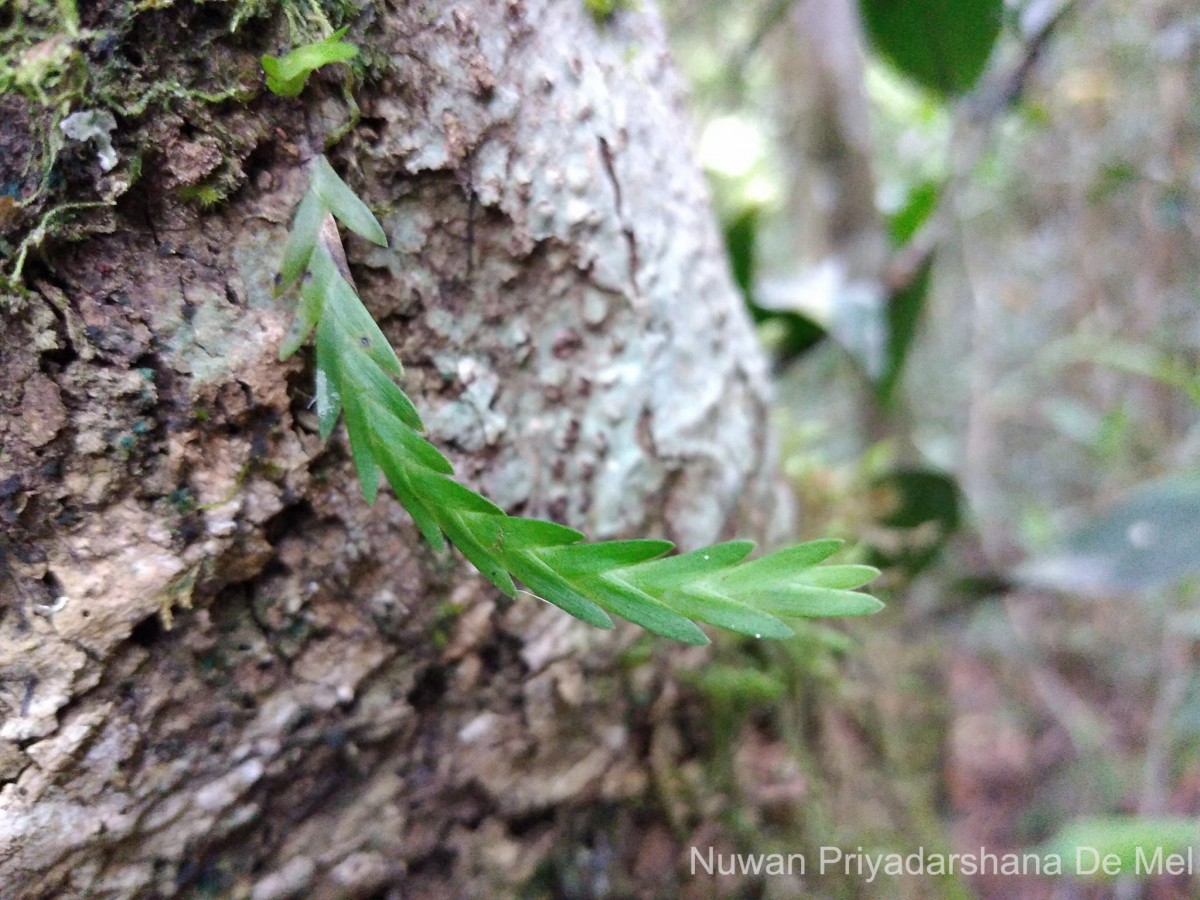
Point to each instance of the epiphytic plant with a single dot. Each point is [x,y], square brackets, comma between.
[637,580]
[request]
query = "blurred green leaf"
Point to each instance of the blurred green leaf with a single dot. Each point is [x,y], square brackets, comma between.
[922,509]
[918,206]
[1149,539]
[943,45]
[736,684]
[1123,837]
[903,314]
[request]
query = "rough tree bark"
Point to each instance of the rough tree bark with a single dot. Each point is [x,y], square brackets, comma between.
[221,670]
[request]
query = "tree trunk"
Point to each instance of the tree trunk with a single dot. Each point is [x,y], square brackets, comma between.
[221,671]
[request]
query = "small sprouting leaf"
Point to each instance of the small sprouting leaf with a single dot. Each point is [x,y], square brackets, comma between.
[345,205]
[814,602]
[287,75]
[574,560]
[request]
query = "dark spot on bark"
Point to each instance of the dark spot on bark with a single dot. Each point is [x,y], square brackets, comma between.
[566,343]
[437,863]
[148,631]
[53,585]
[430,688]
[57,359]
[189,529]
[524,826]
[335,738]
[30,554]
[290,520]
[9,486]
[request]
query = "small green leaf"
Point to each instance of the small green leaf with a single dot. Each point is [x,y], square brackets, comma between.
[411,499]
[1129,838]
[329,398]
[903,316]
[306,228]
[343,305]
[663,574]
[715,609]
[626,601]
[447,493]
[523,534]
[918,206]
[840,577]
[737,685]
[813,602]
[483,558]
[393,436]
[345,205]
[359,431]
[308,313]
[553,588]
[287,75]
[777,568]
[387,397]
[575,560]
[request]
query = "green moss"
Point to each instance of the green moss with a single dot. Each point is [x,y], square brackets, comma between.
[206,194]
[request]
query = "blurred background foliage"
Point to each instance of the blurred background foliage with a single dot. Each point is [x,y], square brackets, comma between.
[969,232]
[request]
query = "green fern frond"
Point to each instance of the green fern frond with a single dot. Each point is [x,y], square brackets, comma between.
[633,579]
